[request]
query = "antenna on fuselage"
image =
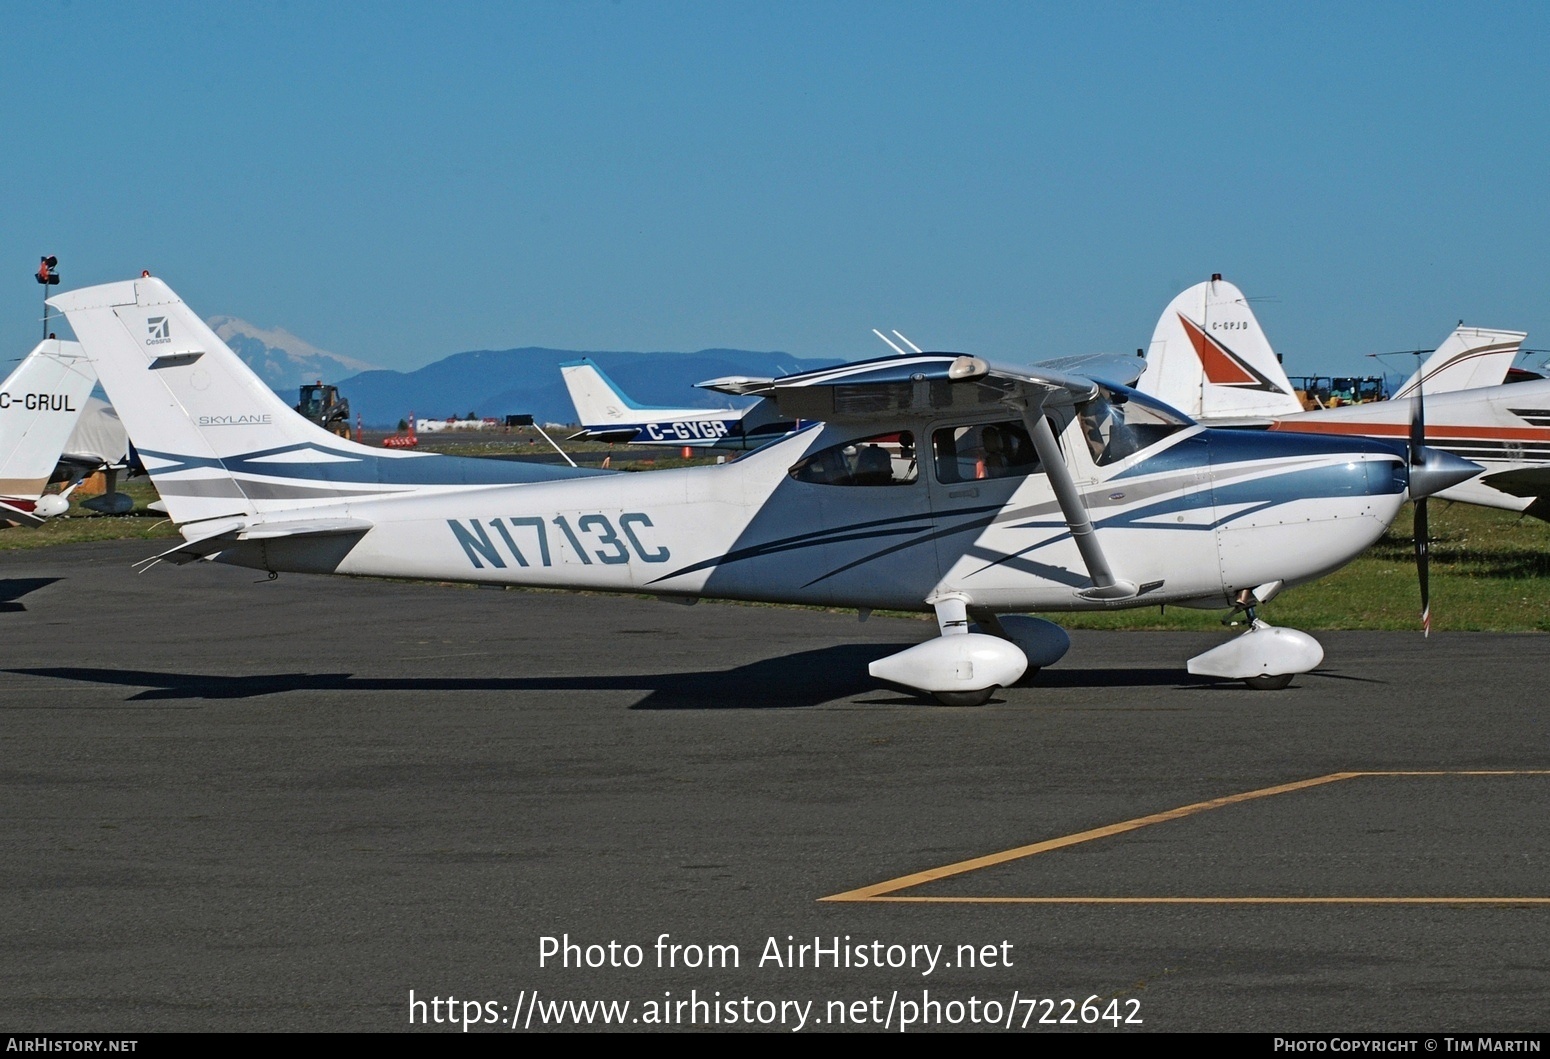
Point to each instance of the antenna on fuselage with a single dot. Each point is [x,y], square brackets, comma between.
[889,342]
[894,346]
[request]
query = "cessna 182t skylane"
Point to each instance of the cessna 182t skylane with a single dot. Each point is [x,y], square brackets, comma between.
[934,481]
[1210,357]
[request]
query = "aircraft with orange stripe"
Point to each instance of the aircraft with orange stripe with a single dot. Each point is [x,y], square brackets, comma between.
[1210,358]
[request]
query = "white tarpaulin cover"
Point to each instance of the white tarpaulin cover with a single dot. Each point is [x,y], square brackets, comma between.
[99,435]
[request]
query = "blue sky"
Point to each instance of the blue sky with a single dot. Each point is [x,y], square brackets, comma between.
[397,182]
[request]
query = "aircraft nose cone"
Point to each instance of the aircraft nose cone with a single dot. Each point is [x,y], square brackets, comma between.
[1438,471]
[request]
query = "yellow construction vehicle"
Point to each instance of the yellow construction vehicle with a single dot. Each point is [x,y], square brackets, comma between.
[323,405]
[1322,391]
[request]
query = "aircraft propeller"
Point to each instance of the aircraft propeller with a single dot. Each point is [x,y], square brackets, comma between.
[1422,535]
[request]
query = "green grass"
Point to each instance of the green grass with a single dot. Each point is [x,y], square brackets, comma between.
[80,524]
[1490,570]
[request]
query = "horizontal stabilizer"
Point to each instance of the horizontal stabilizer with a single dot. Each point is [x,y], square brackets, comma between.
[1523,481]
[10,513]
[206,539]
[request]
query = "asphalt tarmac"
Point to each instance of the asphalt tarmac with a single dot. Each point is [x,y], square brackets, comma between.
[299,805]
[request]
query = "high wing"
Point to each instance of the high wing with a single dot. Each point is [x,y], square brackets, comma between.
[931,383]
[927,382]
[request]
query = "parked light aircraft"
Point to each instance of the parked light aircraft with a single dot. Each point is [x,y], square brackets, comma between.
[935,482]
[53,430]
[1210,356]
[607,414]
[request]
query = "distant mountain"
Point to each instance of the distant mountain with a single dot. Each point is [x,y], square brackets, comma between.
[514,381]
[280,358]
[491,382]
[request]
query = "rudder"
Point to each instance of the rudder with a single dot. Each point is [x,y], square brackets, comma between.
[1210,358]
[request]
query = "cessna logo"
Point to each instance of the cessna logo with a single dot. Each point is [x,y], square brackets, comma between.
[234,421]
[160,330]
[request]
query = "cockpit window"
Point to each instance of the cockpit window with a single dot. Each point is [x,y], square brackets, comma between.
[983,450]
[884,459]
[1120,422]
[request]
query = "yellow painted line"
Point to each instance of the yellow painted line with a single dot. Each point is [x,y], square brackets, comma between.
[1205,900]
[884,891]
[1460,772]
[867,893]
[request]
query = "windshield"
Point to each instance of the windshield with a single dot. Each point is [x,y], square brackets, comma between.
[1120,422]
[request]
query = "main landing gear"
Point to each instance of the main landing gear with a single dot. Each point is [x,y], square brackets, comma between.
[964,666]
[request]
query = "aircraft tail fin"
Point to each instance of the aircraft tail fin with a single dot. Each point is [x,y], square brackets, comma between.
[1210,358]
[190,404]
[600,403]
[1470,357]
[218,442]
[40,404]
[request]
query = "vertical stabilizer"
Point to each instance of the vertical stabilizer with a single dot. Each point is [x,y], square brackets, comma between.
[192,407]
[1469,358]
[219,443]
[1210,358]
[600,403]
[40,403]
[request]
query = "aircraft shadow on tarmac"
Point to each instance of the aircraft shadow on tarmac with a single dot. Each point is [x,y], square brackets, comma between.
[14,588]
[808,678]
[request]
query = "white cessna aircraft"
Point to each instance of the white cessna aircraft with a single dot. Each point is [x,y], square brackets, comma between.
[52,429]
[1210,356]
[607,414]
[934,482]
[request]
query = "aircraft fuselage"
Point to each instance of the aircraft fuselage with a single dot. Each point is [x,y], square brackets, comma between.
[1193,518]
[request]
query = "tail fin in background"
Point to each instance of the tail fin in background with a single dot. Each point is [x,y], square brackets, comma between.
[217,441]
[40,404]
[600,403]
[1210,358]
[1469,358]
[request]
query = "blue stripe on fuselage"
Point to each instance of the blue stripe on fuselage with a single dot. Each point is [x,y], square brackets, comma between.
[359,469]
[1220,448]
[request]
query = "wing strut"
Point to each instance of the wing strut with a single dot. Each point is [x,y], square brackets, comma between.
[1105,585]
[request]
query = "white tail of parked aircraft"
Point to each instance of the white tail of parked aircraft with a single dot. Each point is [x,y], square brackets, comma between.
[1209,358]
[40,406]
[1468,359]
[606,413]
